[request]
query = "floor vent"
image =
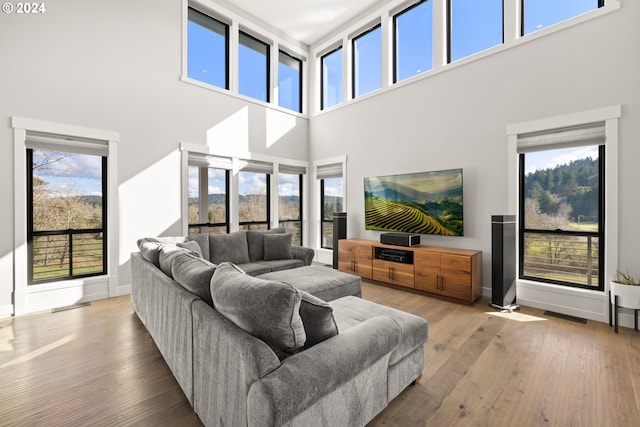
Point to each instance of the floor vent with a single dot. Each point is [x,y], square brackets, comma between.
[70,307]
[566,317]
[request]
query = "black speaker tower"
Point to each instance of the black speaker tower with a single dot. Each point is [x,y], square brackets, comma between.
[339,232]
[503,262]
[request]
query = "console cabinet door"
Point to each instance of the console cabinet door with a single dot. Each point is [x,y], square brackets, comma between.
[393,272]
[456,277]
[355,257]
[427,267]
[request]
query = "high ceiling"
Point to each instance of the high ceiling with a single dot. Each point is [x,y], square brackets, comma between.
[305,20]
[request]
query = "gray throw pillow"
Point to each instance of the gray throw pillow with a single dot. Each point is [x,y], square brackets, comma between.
[277,246]
[255,241]
[191,246]
[266,309]
[150,249]
[167,253]
[203,242]
[317,318]
[230,247]
[194,274]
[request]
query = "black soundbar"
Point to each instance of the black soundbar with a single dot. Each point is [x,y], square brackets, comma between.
[400,239]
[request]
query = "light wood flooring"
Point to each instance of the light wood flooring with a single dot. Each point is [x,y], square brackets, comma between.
[98,366]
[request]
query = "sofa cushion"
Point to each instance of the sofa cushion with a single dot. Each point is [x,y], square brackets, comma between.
[167,254]
[203,241]
[267,309]
[255,242]
[192,247]
[317,318]
[194,274]
[254,268]
[277,246]
[230,247]
[280,264]
[350,311]
[322,282]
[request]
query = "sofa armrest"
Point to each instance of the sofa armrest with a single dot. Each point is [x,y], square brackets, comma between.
[306,377]
[226,361]
[303,253]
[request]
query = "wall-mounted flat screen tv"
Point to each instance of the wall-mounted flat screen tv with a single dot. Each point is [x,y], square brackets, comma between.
[422,203]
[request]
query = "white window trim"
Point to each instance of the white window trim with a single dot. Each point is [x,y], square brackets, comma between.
[48,295]
[578,302]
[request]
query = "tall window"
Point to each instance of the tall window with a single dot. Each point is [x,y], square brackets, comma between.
[289,82]
[561,207]
[254,200]
[413,41]
[290,205]
[367,62]
[474,26]
[67,215]
[331,194]
[538,14]
[208,55]
[208,205]
[331,78]
[253,67]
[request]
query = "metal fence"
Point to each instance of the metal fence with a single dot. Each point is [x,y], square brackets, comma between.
[65,254]
[570,258]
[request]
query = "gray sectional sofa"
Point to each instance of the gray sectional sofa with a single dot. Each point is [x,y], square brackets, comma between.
[252,343]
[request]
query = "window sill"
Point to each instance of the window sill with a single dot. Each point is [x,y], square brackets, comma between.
[226,92]
[66,284]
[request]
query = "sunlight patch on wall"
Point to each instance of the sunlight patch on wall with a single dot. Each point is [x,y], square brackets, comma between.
[230,137]
[278,125]
[149,203]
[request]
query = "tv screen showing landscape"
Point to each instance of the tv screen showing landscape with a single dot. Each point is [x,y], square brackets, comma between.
[421,203]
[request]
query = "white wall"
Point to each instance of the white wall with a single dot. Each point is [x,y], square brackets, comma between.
[117,66]
[457,118]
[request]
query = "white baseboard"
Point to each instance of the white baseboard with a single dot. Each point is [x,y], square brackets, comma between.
[6,310]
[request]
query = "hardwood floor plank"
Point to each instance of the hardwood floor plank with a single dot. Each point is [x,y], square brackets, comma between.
[97,365]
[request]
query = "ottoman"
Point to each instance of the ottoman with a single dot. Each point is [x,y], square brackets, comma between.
[322,282]
[407,360]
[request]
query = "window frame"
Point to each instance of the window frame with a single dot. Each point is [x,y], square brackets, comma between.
[449,34]
[323,221]
[601,4]
[31,233]
[600,234]
[323,102]
[354,62]
[267,81]
[247,225]
[300,209]
[226,47]
[204,193]
[300,80]
[395,40]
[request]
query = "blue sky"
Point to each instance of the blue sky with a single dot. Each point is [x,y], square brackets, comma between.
[552,158]
[77,174]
